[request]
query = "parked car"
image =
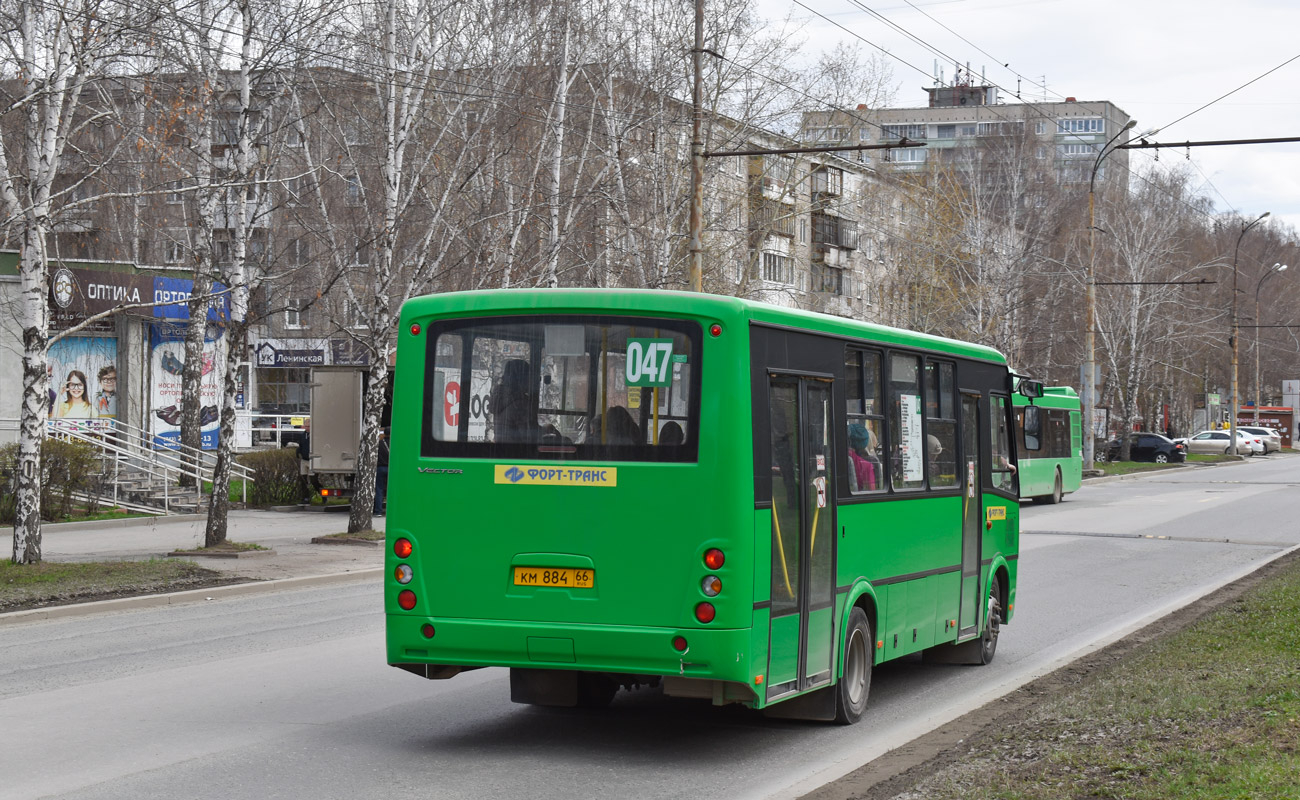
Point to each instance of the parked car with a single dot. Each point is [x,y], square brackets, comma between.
[1220,443]
[1148,447]
[1272,439]
[1256,443]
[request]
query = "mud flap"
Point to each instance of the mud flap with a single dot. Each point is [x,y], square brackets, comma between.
[815,706]
[967,652]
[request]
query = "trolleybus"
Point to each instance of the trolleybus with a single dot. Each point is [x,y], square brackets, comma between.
[727,499]
[1049,440]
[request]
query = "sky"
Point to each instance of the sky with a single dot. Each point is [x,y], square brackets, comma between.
[1158,60]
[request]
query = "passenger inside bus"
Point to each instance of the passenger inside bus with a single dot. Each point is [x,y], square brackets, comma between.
[671,434]
[862,458]
[620,428]
[512,404]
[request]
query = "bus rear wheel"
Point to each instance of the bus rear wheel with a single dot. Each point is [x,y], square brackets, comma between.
[1058,491]
[855,685]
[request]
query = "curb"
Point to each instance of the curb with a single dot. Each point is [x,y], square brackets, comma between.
[129,522]
[1093,481]
[346,541]
[219,554]
[188,596]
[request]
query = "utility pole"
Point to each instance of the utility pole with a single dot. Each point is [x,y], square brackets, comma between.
[697,155]
[1236,400]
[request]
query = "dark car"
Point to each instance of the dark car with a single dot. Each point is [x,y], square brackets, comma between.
[1148,447]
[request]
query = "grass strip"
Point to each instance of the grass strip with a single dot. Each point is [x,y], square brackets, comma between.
[57,583]
[1211,712]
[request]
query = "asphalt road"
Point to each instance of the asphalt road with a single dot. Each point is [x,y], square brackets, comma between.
[286,694]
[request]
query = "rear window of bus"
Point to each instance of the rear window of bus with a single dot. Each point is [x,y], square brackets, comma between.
[590,388]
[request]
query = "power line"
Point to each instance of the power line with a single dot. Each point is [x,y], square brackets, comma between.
[1229,94]
[1031,106]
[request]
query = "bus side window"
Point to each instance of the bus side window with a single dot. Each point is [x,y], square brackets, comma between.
[1004,471]
[906,443]
[941,424]
[1033,428]
[862,396]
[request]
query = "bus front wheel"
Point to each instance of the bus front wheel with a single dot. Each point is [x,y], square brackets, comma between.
[989,641]
[855,685]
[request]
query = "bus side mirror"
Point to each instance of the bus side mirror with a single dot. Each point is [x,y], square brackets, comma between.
[1030,389]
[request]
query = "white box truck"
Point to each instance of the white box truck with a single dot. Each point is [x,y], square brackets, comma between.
[336,404]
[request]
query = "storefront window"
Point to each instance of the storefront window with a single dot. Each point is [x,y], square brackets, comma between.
[283,390]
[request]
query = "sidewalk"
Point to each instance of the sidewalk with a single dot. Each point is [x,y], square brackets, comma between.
[287,533]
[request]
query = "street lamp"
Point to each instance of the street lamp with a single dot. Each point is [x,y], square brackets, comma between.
[1273,270]
[1236,401]
[1089,398]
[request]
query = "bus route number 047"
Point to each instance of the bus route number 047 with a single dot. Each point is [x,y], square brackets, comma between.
[649,362]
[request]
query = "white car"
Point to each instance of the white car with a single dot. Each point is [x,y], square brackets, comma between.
[1255,442]
[1219,442]
[1271,438]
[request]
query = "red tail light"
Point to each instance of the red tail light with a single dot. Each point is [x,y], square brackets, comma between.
[714,558]
[679,644]
[705,612]
[402,548]
[406,599]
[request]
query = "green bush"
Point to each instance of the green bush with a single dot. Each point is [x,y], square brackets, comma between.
[8,500]
[275,476]
[67,469]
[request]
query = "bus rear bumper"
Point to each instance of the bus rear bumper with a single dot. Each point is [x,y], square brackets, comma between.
[717,654]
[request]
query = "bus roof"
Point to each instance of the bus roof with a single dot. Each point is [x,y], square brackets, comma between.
[1053,397]
[676,303]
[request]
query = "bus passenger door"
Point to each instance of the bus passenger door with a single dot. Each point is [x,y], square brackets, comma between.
[802,639]
[972,515]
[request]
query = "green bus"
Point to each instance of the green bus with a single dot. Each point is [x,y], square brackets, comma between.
[729,500]
[1049,439]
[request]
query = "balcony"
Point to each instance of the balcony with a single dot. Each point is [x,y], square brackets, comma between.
[831,231]
[827,182]
[775,218]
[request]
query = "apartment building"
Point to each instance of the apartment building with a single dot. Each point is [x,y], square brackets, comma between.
[1067,136]
[807,216]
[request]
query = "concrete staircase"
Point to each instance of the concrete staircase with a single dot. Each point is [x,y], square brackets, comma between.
[142,475]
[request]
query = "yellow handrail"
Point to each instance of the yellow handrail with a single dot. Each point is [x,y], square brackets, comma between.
[780,544]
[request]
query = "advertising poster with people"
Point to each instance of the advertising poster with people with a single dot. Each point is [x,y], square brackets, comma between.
[166,363]
[83,380]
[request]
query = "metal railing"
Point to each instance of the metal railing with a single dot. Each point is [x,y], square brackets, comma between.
[130,453]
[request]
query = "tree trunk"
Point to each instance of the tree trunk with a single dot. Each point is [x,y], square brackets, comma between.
[36,399]
[192,378]
[363,494]
[219,509]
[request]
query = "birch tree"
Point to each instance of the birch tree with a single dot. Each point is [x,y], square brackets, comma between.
[271,36]
[198,42]
[52,54]
[419,155]
[1141,322]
